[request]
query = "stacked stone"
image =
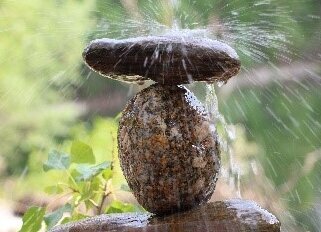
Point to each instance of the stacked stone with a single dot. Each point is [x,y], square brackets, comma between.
[168,146]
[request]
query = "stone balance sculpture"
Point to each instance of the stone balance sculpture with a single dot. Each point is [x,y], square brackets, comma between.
[168,146]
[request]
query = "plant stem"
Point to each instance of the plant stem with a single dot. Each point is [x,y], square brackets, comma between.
[106,194]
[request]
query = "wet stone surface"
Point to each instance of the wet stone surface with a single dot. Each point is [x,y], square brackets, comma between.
[170,60]
[222,216]
[168,149]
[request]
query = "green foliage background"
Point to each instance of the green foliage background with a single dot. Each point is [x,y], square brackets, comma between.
[43,80]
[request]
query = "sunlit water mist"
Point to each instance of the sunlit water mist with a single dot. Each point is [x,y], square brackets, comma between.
[253,40]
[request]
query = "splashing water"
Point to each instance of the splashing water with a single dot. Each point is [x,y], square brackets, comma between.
[264,35]
[226,138]
[249,37]
[281,62]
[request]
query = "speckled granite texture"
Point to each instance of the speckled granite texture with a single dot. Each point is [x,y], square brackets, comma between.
[168,149]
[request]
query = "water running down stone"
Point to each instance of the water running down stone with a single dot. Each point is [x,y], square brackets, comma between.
[168,146]
[168,149]
[170,60]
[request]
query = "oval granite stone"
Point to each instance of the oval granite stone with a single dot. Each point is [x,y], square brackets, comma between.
[170,60]
[168,149]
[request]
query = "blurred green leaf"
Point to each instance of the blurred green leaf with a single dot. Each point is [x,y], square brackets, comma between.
[91,192]
[107,174]
[56,161]
[74,217]
[32,219]
[54,189]
[86,172]
[66,220]
[82,153]
[120,207]
[71,180]
[96,184]
[53,218]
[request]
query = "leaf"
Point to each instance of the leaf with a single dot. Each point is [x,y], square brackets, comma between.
[90,193]
[107,174]
[120,207]
[84,189]
[74,217]
[53,218]
[71,180]
[66,220]
[77,217]
[76,199]
[82,153]
[54,189]
[56,161]
[97,189]
[32,219]
[86,172]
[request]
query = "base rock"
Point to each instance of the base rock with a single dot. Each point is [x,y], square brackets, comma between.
[221,216]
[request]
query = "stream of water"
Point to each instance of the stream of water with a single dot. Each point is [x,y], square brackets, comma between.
[230,170]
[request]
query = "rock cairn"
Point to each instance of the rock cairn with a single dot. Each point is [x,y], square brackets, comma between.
[168,146]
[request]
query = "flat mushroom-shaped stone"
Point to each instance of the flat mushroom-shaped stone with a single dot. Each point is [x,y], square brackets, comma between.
[163,59]
[222,216]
